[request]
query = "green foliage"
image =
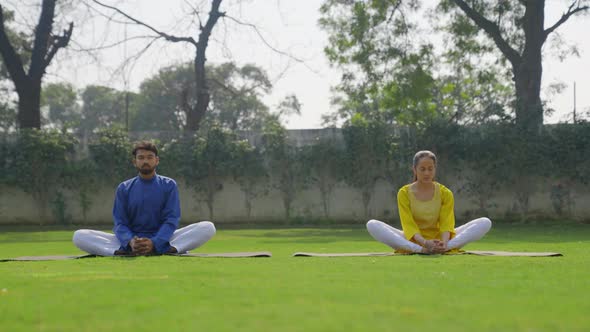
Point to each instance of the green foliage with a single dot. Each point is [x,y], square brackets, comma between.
[496,157]
[111,155]
[393,71]
[7,117]
[159,106]
[479,161]
[325,159]
[59,208]
[236,96]
[61,100]
[288,172]
[387,77]
[214,157]
[249,173]
[175,157]
[83,177]
[102,107]
[369,149]
[35,162]
[569,148]
[235,91]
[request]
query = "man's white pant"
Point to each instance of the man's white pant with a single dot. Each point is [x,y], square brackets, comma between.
[393,237]
[105,244]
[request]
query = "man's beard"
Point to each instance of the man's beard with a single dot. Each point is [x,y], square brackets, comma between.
[145,169]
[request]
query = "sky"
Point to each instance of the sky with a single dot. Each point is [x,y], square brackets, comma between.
[287,25]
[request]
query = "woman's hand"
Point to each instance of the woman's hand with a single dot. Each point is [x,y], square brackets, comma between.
[434,247]
[439,247]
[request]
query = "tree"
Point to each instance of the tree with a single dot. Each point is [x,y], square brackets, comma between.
[102,107]
[236,96]
[35,163]
[325,159]
[194,112]
[518,30]
[201,91]
[235,92]
[61,99]
[368,150]
[393,71]
[287,171]
[249,173]
[158,104]
[27,75]
[388,73]
[213,160]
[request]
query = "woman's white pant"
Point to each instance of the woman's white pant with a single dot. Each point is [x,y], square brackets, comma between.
[393,237]
[105,244]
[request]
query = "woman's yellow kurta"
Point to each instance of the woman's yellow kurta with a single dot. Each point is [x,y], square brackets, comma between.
[428,218]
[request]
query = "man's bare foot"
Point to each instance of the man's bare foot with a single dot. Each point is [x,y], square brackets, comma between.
[123,253]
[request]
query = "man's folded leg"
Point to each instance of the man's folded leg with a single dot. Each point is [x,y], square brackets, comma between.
[96,242]
[192,236]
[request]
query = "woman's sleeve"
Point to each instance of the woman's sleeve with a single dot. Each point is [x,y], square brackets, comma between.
[409,226]
[446,219]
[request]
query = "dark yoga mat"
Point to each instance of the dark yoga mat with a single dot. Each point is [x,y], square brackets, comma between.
[66,257]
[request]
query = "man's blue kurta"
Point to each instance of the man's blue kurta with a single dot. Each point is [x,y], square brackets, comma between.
[146,208]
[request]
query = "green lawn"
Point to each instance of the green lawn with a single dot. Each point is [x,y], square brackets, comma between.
[283,293]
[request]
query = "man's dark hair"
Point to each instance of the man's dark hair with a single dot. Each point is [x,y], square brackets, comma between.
[145,145]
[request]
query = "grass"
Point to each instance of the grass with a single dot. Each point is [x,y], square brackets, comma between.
[283,293]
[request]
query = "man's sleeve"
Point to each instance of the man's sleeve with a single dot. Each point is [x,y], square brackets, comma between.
[171,219]
[447,212]
[121,229]
[409,226]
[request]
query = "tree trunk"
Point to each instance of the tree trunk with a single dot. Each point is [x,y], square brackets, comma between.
[529,108]
[45,46]
[528,72]
[527,67]
[196,114]
[29,105]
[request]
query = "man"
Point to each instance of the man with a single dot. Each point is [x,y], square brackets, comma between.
[146,214]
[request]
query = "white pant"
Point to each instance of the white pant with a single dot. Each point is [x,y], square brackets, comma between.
[105,244]
[471,231]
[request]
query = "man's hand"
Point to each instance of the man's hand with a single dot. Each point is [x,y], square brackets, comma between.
[141,246]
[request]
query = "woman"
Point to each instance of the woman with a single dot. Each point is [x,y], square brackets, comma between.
[427,216]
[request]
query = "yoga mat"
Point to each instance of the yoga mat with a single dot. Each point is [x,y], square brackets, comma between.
[228,254]
[512,253]
[45,258]
[66,257]
[472,252]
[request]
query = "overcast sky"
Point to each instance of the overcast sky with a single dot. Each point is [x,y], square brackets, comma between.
[287,25]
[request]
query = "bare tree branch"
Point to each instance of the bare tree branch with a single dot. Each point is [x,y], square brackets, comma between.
[41,43]
[570,11]
[194,11]
[164,35]
[115,44]
[133,59]
[395,8]
[58,42]
[492,30]
[255,28]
